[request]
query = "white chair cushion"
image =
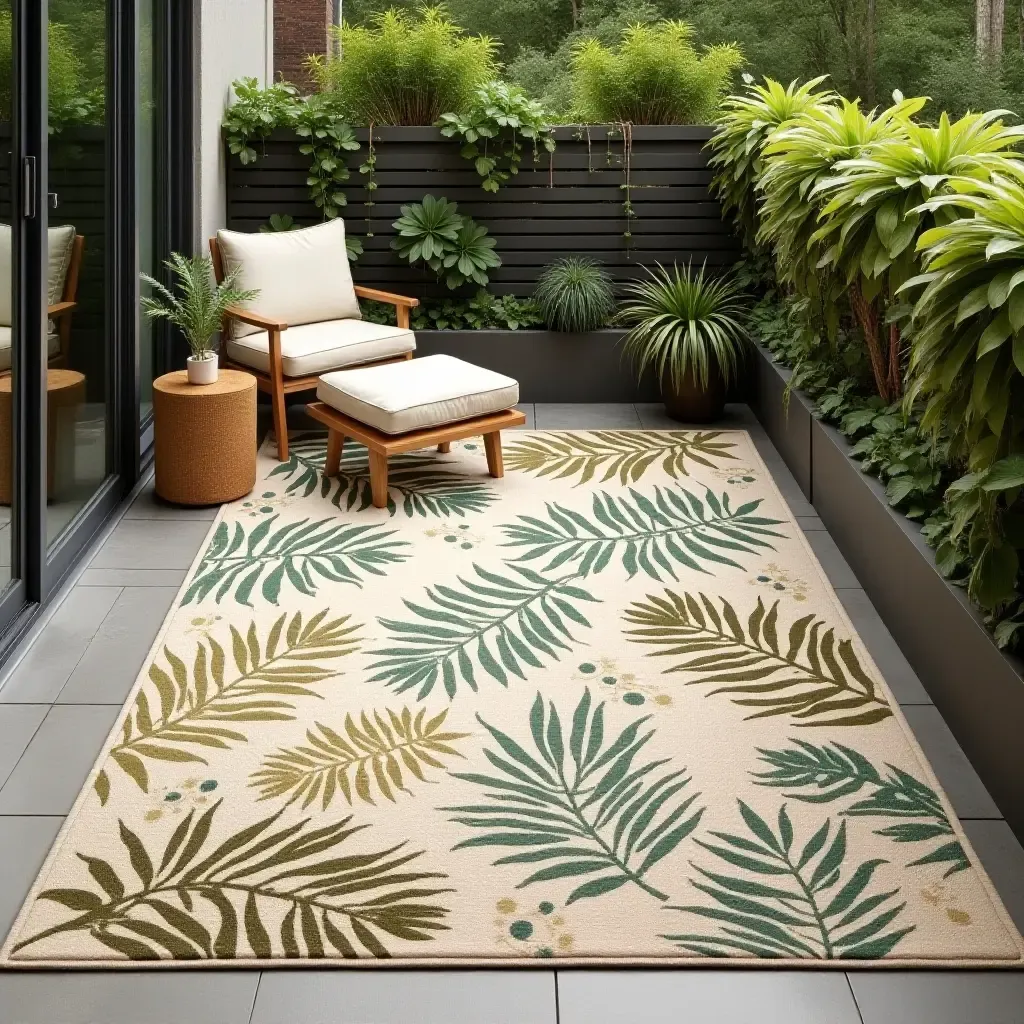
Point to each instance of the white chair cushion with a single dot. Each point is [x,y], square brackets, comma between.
[315,348]
[52,347]
[302,276]
[417,394]
[61,242]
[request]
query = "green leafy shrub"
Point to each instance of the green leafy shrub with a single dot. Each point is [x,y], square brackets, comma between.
[450,243]
[256,112]
[493,129]
[744,124]
[684,321]
[654,76]
[483,311]
[874,214]
[405,69]
[327,140]
[575,294]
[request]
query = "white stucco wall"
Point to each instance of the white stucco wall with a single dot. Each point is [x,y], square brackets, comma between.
[235,40]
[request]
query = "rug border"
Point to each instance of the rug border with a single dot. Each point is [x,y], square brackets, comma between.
[512,963]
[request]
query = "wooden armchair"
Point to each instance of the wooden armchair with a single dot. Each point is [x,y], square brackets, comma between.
[60,313]
[305,289]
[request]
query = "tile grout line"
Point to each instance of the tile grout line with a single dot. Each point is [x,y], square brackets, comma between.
[255,996]
[558,1010]
[853,996]
[35,732]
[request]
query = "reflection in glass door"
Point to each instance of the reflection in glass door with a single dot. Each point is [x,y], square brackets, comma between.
[8,503]
[79,340]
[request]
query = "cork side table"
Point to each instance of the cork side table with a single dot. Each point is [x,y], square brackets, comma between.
[65,392]
[205,438]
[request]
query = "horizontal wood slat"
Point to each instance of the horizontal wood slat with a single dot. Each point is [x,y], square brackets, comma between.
[570,203]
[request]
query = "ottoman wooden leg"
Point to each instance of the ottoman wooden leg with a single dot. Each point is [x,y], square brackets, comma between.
[492,442]
[444,447]
[335,444]
[379,479]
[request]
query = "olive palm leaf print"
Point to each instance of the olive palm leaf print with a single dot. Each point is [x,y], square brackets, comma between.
[347,904]
[672,530]
[184,710]
[805,671]
[303,554]
[497,625]
[789,902]
[378,755]
[830,773]
[580,807]
[625,454]
[422,484]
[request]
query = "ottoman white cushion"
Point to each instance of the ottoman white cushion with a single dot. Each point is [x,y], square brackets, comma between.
[416,394]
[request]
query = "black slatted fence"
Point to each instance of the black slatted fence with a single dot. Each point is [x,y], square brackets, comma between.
[573,201]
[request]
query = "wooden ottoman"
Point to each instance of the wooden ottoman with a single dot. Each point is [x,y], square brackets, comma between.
[205,438]
[65,392]
[400,407]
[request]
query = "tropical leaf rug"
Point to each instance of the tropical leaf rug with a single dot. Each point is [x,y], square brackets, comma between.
[605,710]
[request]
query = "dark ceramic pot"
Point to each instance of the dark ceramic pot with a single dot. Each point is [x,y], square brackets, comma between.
[691,403]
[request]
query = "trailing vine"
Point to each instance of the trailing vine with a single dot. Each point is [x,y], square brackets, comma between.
[624,130]
[493,129]
[368,169]
[328,138]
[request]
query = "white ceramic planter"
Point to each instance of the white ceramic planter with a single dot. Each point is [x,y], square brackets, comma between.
[202,371]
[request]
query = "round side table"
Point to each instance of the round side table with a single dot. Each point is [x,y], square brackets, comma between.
[205,438]
[65,392]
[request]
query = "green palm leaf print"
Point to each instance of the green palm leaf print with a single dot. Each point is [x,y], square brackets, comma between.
[830,773]
[418,484]
[377,754]
[298,553]
[789,902]
[343,904]
[806,671]
[673,529]
[183,710]
[579,807]
[625,454]
[495,625]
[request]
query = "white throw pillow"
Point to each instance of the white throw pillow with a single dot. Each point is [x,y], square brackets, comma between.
[303,276]
[61,242]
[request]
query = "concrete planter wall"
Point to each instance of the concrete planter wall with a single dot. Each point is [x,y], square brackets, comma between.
[978,689]
[549,366]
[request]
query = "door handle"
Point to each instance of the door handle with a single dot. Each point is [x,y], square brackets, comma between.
[28,186]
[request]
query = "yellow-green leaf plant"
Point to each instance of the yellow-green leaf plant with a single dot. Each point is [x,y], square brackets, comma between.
[873,217]
[744,124]
[798,156]
[967,354]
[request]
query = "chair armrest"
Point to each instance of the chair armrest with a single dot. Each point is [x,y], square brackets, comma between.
[389,297]
[246,316]
[61,309]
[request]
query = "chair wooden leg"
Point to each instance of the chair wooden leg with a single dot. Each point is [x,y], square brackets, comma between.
[379,479]
[280,424]
[335,444]
[492,442]
[444,447]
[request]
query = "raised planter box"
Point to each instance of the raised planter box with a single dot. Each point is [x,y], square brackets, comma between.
[978,689]
[549,366]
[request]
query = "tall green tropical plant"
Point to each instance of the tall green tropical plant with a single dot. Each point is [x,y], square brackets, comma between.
[872,217]
[967,355]
[744,124]
[199,306]
[685,322]
[404,68]
[798,156]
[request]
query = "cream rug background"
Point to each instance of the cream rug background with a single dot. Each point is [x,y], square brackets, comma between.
[607,709]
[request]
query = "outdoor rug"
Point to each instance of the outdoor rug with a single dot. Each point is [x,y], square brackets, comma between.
[606,710]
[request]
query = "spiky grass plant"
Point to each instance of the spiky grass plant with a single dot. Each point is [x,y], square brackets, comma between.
[744,124]
[682,321]
[575,294]
[654,76]
[405,69]
[199,306]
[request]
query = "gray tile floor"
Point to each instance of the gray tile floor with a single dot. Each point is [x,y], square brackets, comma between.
[58,702]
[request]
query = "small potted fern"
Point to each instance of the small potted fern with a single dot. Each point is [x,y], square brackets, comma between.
[197,307]
[691,330]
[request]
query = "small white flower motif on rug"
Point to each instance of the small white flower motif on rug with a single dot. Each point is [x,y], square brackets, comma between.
[606,709]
